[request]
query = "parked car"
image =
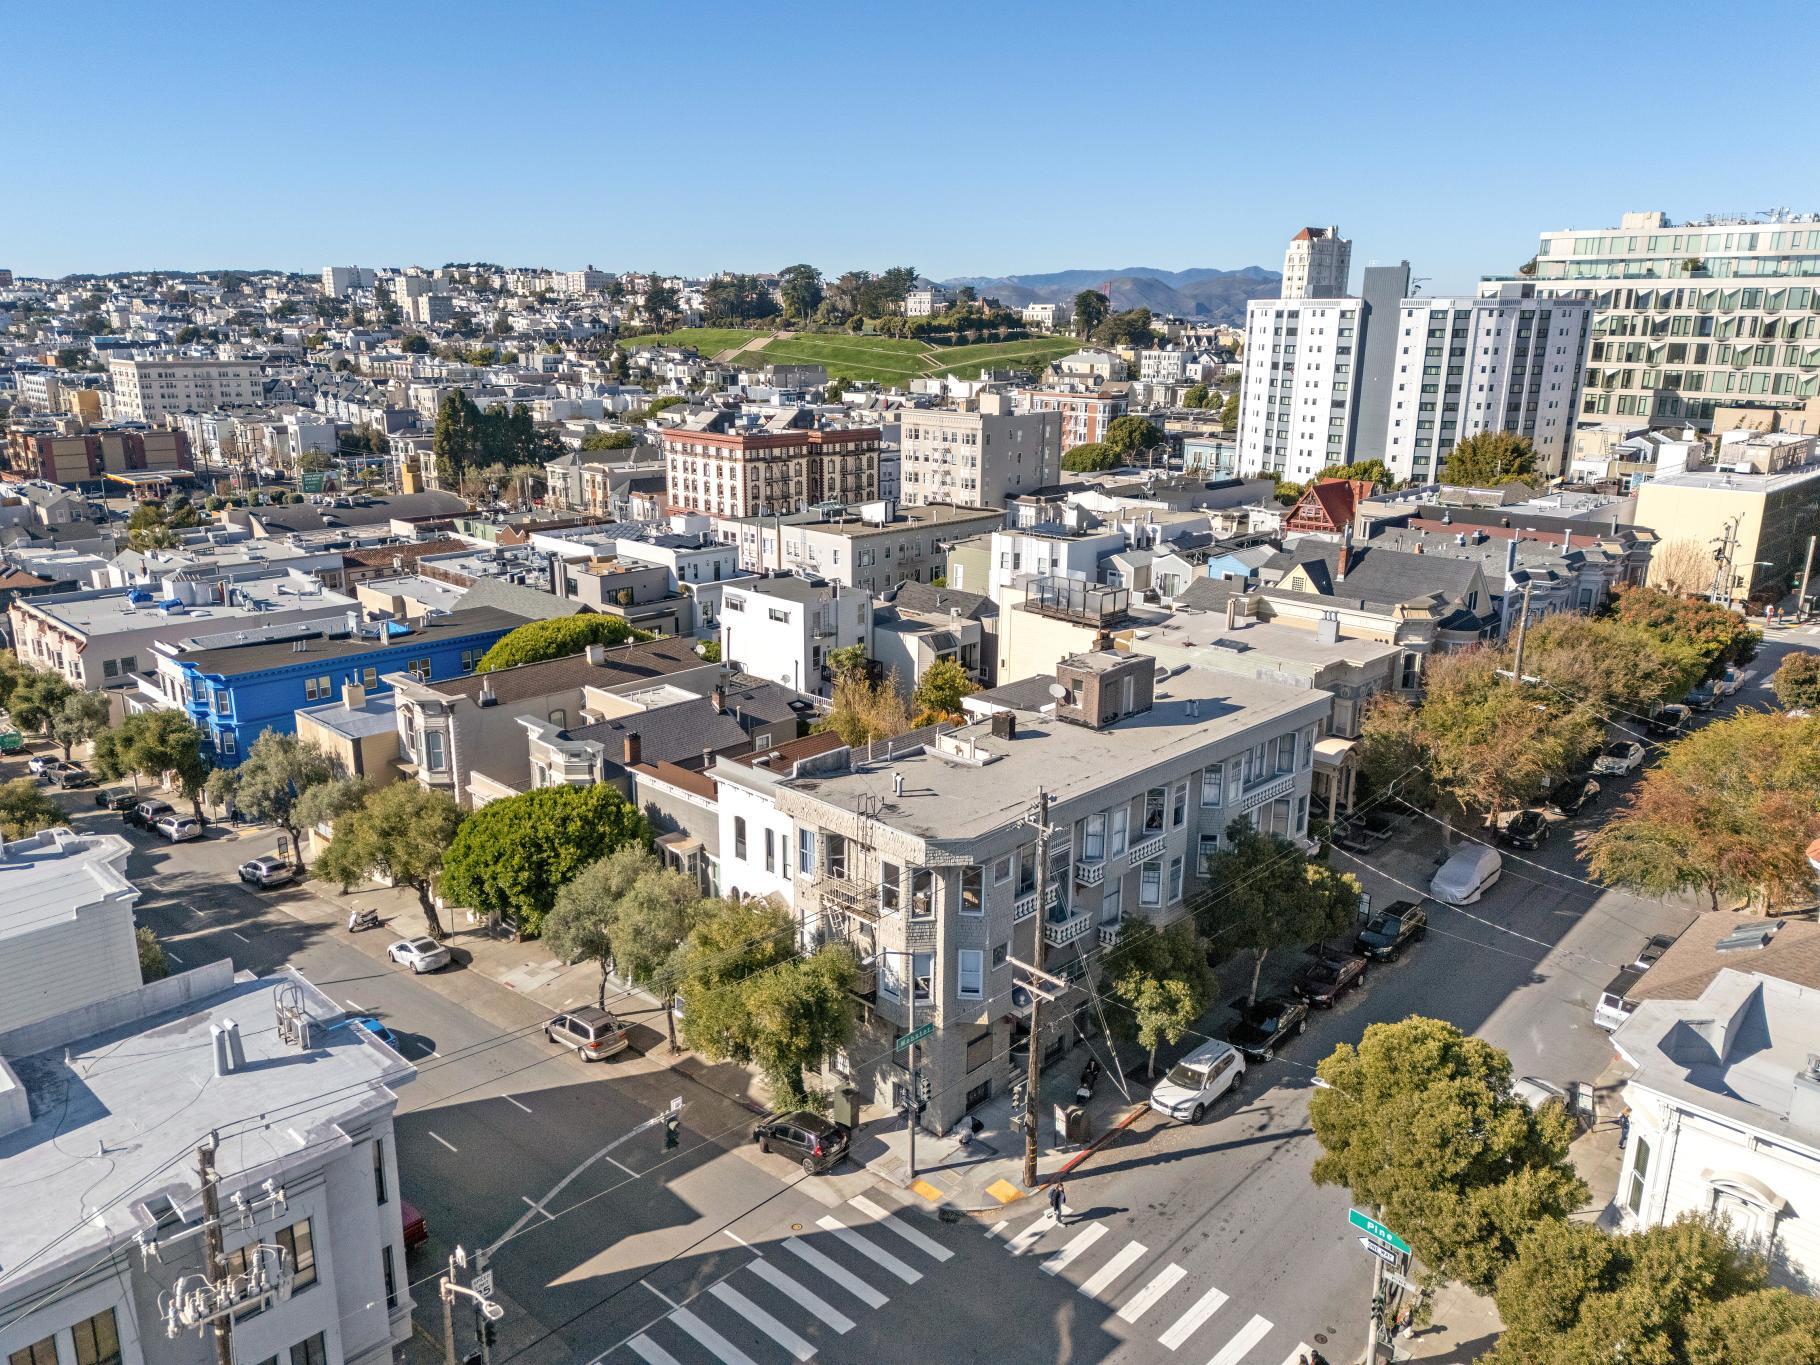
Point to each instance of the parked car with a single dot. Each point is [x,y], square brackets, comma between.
[1472,871]
[1572,796]
[1651,951]
[1265,1026]
[366,1023]
[419,954]
[1729,682]
[1704,697]
[1671,721]
[1536,1092]
[1619,757]
[267,870]
[1615,1004]
[72,775]
[179,829]
[416,1231]
[1525,829]
[116,799]
[815,1142]
[1199,1079]
[594,1034]
[40,765]
[1323,981]
[1390,930]
[148,813]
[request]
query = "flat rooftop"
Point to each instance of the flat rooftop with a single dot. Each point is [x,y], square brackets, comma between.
[339,643]
[109,611]
[1259,641]
[116,1114]
[378,716]
[946,800]
[1718,482]
[433,593]
[46,878]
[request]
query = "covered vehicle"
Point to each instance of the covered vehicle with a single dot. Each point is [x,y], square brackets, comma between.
[1472,871]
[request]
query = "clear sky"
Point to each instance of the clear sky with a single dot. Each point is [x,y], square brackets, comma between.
[972,138]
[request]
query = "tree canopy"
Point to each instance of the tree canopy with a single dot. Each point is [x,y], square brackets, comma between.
[25,809]
[1722,637]
[556,638]
[1128,435]
[1796,681]
[1489,458]
[399,833]
[863,712]
[737,298]
[1129,328]
[1161,979]
[1267,894]
[608,440]
[801,289]
[272,779]
[1611,664]
[160,744]
[1091,458]
[1419,1123]
[940,690]
[1090,309]
[1364,471]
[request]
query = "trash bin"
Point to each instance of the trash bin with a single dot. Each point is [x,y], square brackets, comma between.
[846,1107]
[1079,1130]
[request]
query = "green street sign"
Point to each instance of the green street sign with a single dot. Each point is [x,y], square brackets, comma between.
[313,483]
[1373,1228]
[915,1036]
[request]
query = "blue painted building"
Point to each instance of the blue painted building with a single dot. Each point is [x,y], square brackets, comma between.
[235,692]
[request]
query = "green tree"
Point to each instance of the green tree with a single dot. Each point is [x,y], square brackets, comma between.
[1608,664]
[1128,435]
[456,439]
[663,306]
[1229,412]
[272,779]
[152,964]
[556,638]
[1364,471]
[415,344]
[1198,396]
[25,809]
[160,744]
[1162,978]
[608,440]
[709,651]
[38,698]
[1419,1123]
[940,690]
[1728,811]
[1091,458]
[801,288]
[1129,328]
[1723,637]
[863,713]
[398,834]
[1266,894]
[579,927]
[512,856]
[1765,1327]
[1393,758]
[1489,458]
[1796,681]
[324,805]
[736,298]
[82,716]
[1090,309]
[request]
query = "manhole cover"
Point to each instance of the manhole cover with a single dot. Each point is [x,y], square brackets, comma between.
[796,1227]
[1320,1338]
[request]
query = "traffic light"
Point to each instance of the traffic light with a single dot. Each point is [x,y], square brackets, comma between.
[489,1331]
[672,1129]
[1377,1307]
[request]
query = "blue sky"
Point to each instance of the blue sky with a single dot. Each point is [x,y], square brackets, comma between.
[977,138]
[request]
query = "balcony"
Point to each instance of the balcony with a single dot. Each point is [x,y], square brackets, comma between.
[1148,849]
[1109,934]
[1089,874]
[1023,908]
[845,896]
[1071,929]
[1076,600]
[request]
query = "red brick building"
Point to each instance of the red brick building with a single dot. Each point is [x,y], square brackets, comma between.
[95,454]
[768,470]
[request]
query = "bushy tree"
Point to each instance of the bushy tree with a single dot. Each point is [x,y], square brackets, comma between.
[1796,681]
[25,809]
[801,289]
[1609,664]
[272,779]
[1129,328]
[1489,458]
[1723,637]
[1128,435]
[579,927]
[399,833]
[37,697]
[152,963]
[556,638]
[1392,756]
[1266,894]
[1090,309]
[82,716]
[608,440]
[1091,458]
[512,856]
[1363,471]
[1229,412]
[1198,396]
[160,744]
[863,713]
[940,690]
[1162,979]
[1419,1123]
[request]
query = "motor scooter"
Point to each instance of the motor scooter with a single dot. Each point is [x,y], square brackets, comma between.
[362,919]
[1090,1077]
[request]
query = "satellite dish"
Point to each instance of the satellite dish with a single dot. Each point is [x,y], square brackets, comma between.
[1057,691]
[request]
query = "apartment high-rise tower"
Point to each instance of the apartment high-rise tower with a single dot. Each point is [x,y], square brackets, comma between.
[1317,264]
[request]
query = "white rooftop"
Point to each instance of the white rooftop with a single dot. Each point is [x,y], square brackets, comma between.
[46,879]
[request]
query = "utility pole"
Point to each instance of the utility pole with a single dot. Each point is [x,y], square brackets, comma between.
[1034,1062]
[1377,1307]
[217,1255]
[1722,562]
[1522,635]
[447,1290]
[1807,569]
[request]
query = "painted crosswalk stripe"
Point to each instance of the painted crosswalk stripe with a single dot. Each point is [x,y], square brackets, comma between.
[1103,1278]
[1299,1356]
[1164,1281]
[805,1298]
[908,1274]
[1190,1322]
[726,1351]
[652,1353]
[845,1278]
[1019,1244]
[762,1320]
[1083,1239]
[900,1225]
[1249,1335]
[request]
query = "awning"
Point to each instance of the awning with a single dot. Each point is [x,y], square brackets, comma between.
[679,842]
[1330,751]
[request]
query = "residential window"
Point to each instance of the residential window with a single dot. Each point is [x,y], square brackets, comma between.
[369,677]
[1150,884]
[97,1339]
[222,701]
[1286,753]
[297,1241]
[970,974]
[467,661]
[1153,810]
[1001,870]
[973,891]
[922,893]
[1121,821]
[770,850]
[1639,1177]
[1178,808]
[834,852]
[1026,870]
[1209,850]
[38,1353]
[1213,785]
[805,851]
[435,751]
[110,668]
[310,1351]
[922,976]
[1175,879]
[1111,902]
[739,836]
[228,743]
[130,664]
[1093,839]
[1000,954]
[391,1275]
[380,1194]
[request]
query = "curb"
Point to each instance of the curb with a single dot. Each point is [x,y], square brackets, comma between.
[949,1211]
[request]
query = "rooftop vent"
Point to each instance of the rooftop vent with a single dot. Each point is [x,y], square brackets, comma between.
[1748,939]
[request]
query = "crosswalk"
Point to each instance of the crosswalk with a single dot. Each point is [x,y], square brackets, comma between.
[854,1260]
[1146,1299]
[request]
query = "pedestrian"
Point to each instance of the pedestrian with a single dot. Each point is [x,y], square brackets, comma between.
[1623,1129]
[1056,1195]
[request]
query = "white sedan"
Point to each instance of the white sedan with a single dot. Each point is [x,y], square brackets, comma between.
[1619,757]
[419,954]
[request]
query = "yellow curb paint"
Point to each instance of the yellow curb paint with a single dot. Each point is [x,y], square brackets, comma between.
[928,1191]
[1004,1191]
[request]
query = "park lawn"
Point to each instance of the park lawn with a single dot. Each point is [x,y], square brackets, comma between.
[1032,352]
[708,340]
[884,360]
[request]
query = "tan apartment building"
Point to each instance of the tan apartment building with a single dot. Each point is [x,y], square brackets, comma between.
[145,390]
[777,467]
[980,457]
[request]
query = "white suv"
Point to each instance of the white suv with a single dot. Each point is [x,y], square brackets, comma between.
[1197,1081]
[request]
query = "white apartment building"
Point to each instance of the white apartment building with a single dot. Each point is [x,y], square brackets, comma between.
[783,629]
[978,458]
[586,281]
[1317,264]
[1168,365]
[337,280]
[1302,363]
[66,925]
[874,547]
[147,390]
[922,857]
[1504,361]
[97,1239]
[1049,551]
[1688,317]
[1048,316]
[923,303]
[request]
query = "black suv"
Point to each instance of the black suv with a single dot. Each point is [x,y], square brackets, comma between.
[1390,930]
[1525,829]
[148,813]
[810,1139]
[1264,1027]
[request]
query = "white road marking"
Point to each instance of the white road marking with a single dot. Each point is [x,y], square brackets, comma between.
[762,1320]
[1249,1335]
[1086,1237]
[509,1100]
[1164,1281]
[1117,1266]
[539,1207]
[1019,1244]
[809,1300]
[351,1005]
[451,1146]
[742,1241]
[173,957]
[622,1166]
[242,937]
[900,1225]
[1190,1322]
[998,1227]
[725,1350]
[885,1260]
[1297,1356]
[845,1278]
[653,1353]
[660,1293]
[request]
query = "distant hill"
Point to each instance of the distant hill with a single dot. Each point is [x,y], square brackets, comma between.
[1211,295]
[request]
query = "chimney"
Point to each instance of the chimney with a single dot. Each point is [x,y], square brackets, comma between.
[353,623]
[1510,558]
[488,697]
[1004,725]
[1345,554]
[631,753]
[597,655]
[353,696]
[1232,613]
